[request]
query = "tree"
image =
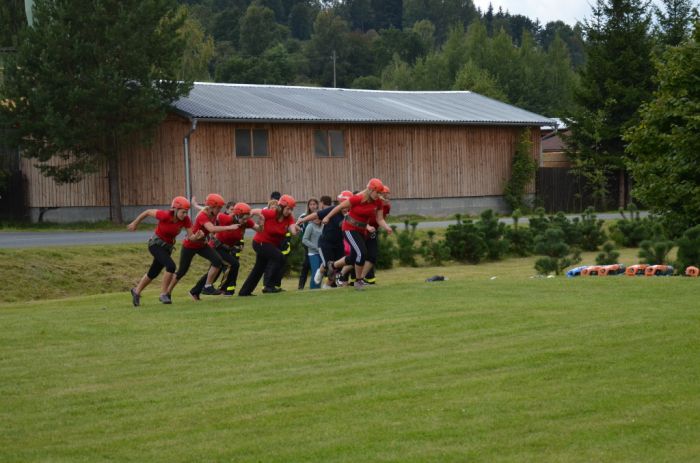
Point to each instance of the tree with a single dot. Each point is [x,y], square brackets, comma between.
[674,21]
[12,21]
[330,36]
[259,31]
[615,81]
[84,81]
[664,143]
[473,78]
[198,52]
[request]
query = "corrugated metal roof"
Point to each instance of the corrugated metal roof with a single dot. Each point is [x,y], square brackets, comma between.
[267,103]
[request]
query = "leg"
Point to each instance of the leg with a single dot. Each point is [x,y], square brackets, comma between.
[228,285]
[314,264]
[303,273]
[275,266]
[372,254]
[186,256]
[216,264]
[256,272]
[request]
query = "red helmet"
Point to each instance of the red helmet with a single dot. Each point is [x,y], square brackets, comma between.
[386,190]
[345,194]
[180,202]
[214,200]
[287,201]
[241,209]
[376,185]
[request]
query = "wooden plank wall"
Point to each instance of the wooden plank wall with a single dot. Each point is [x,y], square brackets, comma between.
[415,161]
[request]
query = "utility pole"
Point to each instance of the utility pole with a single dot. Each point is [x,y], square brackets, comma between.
[334,86]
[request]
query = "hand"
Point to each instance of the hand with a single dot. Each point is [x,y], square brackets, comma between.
[389,230]
[371,229]
[325,220]
[131,226]
[199,235]
[234,226]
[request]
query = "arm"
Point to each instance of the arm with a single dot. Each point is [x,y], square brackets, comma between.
[194,236]
[147,213]
[196,205]
[382,223]
[307,218]
[211,228]
[336,209]
[293,229]
[306,239]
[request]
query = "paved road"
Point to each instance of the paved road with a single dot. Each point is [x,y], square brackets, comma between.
[47,238]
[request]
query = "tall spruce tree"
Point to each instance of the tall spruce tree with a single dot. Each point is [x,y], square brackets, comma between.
[89,76]
[615,81]
[664,144]
[674,21]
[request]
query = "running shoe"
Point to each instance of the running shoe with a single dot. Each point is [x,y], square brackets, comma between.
[360,284]
[165,299]
[210,291]
[135,298]
[195,296]
[228,293]
[318,276]
[267,290]
[339,280]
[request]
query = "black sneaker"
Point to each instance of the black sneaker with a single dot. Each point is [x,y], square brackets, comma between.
[165,299]
[210,291]
[271,290]
[228,293]
[135,298]
[195,297]
[246,295]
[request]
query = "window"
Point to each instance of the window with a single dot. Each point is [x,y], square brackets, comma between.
[329,143]
[251,142]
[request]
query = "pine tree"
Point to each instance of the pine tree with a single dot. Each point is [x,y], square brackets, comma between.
[615,81]
[674,22]
[85,80]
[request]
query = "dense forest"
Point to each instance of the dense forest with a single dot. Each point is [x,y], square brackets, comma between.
[388,44]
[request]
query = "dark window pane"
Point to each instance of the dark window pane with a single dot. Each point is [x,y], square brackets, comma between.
[242,142]
[321,143]
[337,145]
[260,142]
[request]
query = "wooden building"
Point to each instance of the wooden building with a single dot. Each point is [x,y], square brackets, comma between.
[440,152]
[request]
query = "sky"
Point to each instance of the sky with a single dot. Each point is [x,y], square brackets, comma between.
[568,11]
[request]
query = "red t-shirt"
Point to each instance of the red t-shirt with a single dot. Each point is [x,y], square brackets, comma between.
[386,208]
[362,212]
[273,232]
[231,238]
[166,229]
[199,222]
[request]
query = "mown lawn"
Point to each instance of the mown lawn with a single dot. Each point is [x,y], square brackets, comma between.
[471,369]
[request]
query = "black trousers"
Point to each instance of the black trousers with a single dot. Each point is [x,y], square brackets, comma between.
[330,252]
[358,248]
[229,281]
[304,272]
[269,262]
[372,254]
[161,258]
[187,254]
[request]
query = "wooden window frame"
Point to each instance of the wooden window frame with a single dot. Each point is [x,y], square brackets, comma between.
[251,141]
[329,144]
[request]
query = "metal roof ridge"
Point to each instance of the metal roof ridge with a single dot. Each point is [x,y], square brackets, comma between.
[227,84]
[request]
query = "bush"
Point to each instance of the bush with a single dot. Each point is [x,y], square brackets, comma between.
[492,232]
[296,257]
[465,242]
[435,252]
[519,238]
[591,231]
[609,256]
[558,253]
[655,250]
[539,223]
[406,240]
[689,248]
[630,232]
[387,251]
[523,172]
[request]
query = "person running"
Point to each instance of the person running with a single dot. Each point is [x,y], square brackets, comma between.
[269,260]
[191,247]
[229,244]
[311,207]
[373,238]
[330,244]
[162,243]
[362,207]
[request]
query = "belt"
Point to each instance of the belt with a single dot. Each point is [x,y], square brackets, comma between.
[226,247]
[156,240]
[355,223]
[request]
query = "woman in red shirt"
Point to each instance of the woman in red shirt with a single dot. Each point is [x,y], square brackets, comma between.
[269,259]
[161,245]
[229,244]
[362,208]
[204,224]
[373,239]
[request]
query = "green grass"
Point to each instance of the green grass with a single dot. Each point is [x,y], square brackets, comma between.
[471,369]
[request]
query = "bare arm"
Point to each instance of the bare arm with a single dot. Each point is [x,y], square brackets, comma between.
[382,223]
[147,213]
[307,218]
[345,204]
[293,229]
[211,228]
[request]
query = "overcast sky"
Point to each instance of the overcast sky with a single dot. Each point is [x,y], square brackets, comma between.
[568,11]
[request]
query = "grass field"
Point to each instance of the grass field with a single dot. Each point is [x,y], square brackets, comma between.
[471,369]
